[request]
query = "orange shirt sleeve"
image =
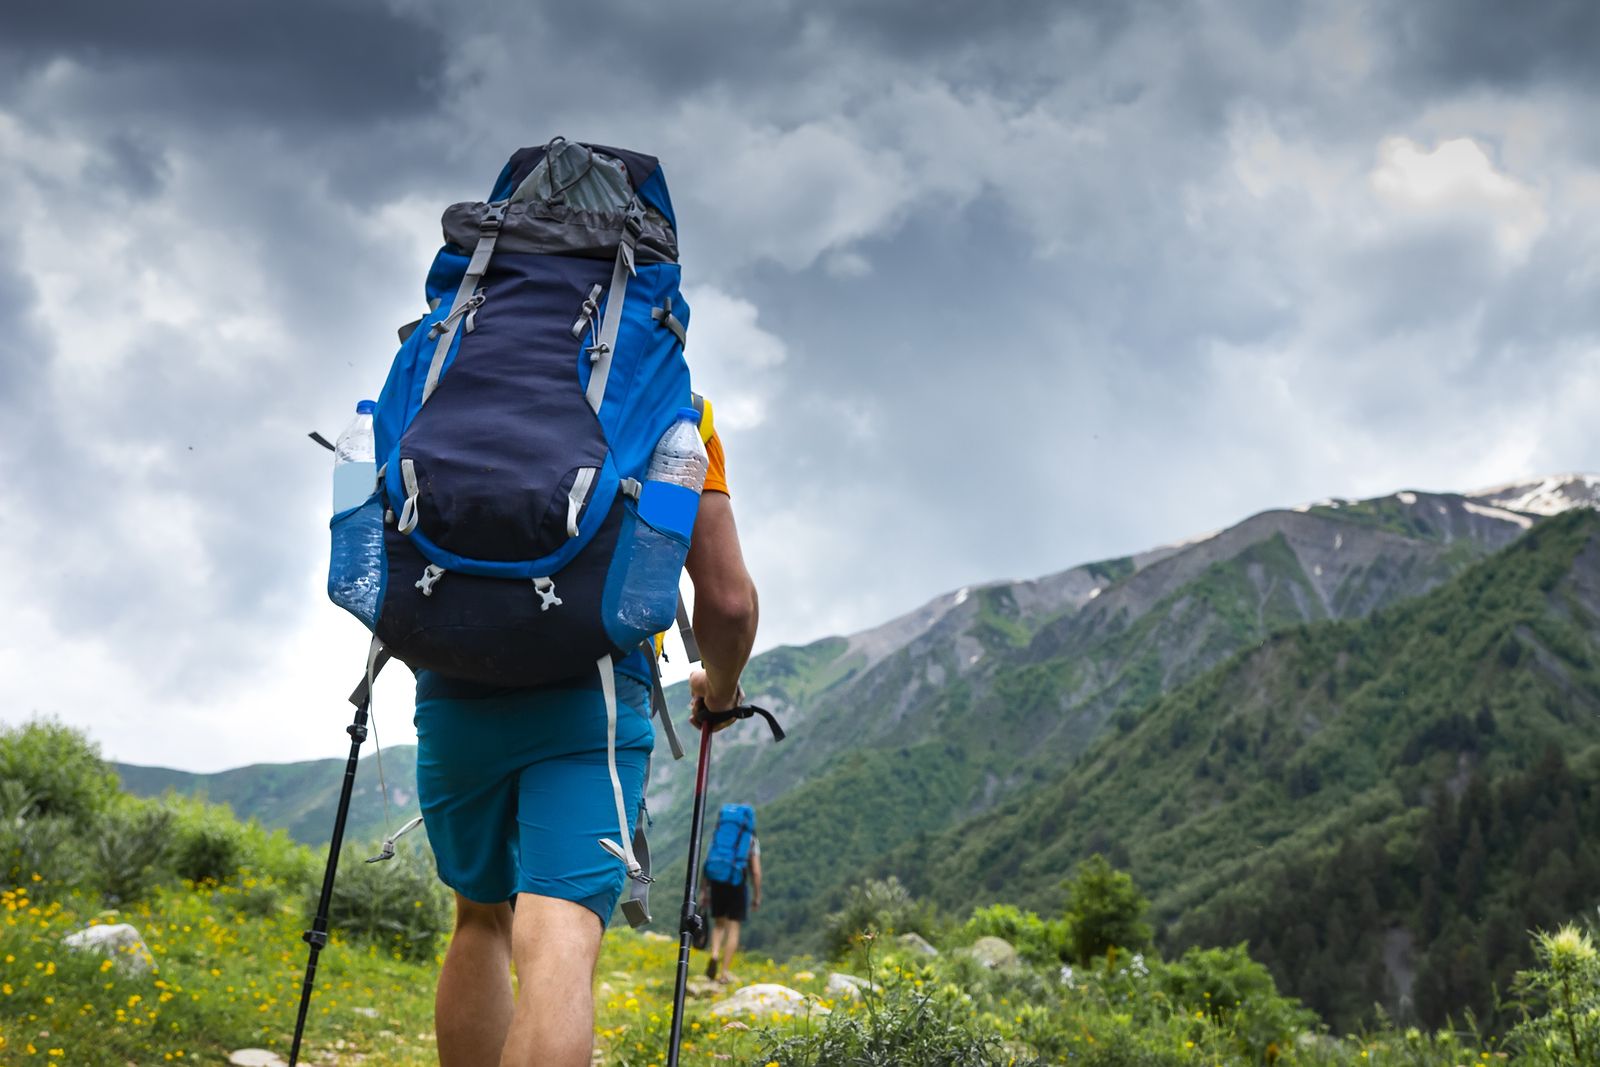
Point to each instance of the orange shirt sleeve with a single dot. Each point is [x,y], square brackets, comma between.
[717,469]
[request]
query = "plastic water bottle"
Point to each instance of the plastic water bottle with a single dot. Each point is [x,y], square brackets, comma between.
[356,563]
[668,502]
[355,464]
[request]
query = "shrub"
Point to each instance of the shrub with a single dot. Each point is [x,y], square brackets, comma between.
[908,1027]
[1568,982]
[399,904]
[875,907]
[1105,910]
[59,767]
[33,844]
[1237,995]
[130,848]
[207,840]
[1035,939]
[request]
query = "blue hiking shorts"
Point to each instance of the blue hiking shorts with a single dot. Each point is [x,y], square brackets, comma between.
[516,794]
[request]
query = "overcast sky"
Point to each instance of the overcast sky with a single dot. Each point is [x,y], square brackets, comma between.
[979,291]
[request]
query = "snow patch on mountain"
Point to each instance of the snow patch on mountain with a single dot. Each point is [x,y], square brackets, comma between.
[1550,495]
[1488,512]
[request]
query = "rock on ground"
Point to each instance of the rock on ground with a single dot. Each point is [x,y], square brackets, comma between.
[995,953]
[917,943]
[764,999]
[256,1057]
[847,986]
[121,942]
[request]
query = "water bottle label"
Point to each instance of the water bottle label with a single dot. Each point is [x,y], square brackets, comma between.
[669,507]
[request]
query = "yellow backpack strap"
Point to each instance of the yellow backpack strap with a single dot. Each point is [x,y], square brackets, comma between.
[707,424]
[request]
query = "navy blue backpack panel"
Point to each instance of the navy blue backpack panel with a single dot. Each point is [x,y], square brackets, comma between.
[510,482]
[729,856]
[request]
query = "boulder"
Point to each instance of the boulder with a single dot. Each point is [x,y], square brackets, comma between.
[120,942]
[699,987]
[766,999]
[995,953]
[848,986]
[917,943]
[256,1057]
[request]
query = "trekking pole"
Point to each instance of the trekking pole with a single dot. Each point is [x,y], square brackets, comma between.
[317,936]
[693,922]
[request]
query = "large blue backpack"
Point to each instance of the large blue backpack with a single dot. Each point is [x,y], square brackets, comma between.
[729,856]
[514,429]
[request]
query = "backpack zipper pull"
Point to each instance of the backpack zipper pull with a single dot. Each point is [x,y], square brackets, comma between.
[469,308]
[408,513]
[591,308]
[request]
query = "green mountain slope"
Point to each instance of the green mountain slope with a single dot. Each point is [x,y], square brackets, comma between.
[300,798]
[990,690]
[1381,807]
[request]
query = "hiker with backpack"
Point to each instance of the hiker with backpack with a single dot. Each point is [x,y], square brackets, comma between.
[544,474]
[732,887]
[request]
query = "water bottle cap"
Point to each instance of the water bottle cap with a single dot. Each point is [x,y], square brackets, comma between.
[690,414]
[366,407]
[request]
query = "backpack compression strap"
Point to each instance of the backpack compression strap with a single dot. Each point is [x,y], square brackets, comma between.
[624,851]
[605,344]
[445,329]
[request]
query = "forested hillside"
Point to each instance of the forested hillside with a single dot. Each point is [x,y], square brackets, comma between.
[1379,807]
[298,797]
[996,689]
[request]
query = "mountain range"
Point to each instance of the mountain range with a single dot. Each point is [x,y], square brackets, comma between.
[1202,713]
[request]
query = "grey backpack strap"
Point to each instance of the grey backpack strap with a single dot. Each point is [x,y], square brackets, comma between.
[691,647]
[636,908]
[467,298]
[658,701]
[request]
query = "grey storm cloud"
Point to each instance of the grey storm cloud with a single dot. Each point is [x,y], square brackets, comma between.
[1451,44]
[316,62]
[980,290]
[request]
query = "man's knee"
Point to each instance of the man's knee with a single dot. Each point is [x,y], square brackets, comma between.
[494,918]
[560,925]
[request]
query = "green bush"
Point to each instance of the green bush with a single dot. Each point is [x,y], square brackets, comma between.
[130,848]
[36,845]
[1035,939]
[59,767]
[1237,995]
[399,904]
[1105,910]
[907,1026]
[207,841]
[876,907]
[1567,981]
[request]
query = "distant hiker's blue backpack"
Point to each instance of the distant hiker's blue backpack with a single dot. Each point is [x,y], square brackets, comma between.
[514,429]
[730,845]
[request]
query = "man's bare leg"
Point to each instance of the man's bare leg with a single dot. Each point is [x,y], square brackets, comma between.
[556,944]
[472,1009]
[730,945]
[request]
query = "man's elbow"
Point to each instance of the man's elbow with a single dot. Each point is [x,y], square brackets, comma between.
[731,609]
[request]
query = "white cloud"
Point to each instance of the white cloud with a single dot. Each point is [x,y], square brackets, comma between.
[1458,181]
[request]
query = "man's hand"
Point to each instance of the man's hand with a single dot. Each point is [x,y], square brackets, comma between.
[755,902]
[706,700]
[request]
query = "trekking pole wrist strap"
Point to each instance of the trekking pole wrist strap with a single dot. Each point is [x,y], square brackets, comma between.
[740,711]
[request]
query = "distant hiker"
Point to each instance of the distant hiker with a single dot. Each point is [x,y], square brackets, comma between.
[532,520]
[732,885]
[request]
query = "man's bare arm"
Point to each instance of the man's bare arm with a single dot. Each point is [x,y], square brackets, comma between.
[725,605]
[755,879]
